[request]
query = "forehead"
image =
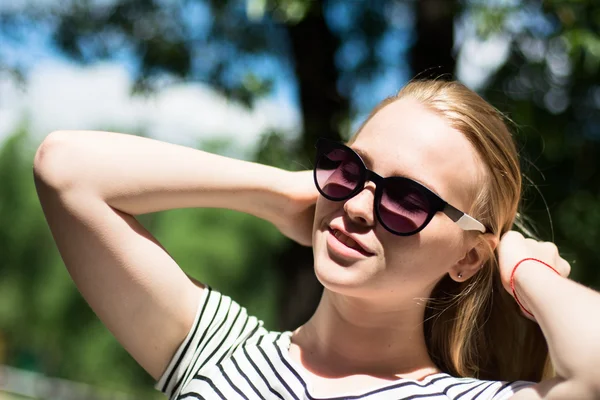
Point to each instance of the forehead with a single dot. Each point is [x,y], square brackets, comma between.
[406,138]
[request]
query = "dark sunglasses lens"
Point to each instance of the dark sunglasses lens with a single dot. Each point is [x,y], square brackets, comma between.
[338,173]
[404,208]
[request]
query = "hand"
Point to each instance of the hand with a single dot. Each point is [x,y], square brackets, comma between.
[296,220]
[513,247]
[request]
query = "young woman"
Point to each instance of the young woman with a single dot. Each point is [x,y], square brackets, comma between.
[428,293]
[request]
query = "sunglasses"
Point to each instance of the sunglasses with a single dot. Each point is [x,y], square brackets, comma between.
[404,207]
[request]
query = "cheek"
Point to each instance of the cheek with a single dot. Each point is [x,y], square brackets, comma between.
[324,211]
[441,252]
[429,254]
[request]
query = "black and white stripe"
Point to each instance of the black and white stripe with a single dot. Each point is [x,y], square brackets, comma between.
[229,355]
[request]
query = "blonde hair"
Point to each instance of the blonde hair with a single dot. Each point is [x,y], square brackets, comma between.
[474,328]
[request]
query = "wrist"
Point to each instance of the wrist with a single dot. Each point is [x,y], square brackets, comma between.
[272,198]
[525,273]
[527,270]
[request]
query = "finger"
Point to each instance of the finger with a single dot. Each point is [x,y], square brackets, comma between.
[531,243]
[564,267]
[509,240]
[550,248]
[512,235]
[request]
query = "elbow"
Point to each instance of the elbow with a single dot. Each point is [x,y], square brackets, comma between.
[52,164]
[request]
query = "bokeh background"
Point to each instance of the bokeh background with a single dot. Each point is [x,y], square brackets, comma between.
[261,80]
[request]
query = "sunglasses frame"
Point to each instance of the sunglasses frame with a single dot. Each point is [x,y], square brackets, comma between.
[462,219]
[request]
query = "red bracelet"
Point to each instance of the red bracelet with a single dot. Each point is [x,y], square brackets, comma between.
[512,281]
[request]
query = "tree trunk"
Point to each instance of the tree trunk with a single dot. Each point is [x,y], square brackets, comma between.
[314,47]
[432,54]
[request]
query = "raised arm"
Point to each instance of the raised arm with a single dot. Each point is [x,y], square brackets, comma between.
[92,184]
[567,312]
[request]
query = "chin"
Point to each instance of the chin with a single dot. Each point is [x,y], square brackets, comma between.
[342,276]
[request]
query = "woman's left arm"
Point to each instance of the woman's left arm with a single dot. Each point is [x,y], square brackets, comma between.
[568,314]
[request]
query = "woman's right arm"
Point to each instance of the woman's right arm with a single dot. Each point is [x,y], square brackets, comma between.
[92,184]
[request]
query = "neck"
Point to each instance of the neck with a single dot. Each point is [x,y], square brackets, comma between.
[348,335]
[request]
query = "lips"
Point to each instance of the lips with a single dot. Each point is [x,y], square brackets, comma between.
[348,241]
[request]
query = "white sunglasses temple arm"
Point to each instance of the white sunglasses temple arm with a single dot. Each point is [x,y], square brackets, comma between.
[469,223]
[464,220]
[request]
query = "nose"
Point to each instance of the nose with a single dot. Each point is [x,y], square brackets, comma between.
[360,207]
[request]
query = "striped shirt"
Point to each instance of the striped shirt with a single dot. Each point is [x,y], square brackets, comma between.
[229,355]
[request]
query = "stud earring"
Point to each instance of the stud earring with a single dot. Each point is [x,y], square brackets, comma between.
[460,274]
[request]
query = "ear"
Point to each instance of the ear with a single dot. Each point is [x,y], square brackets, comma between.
[476,255]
